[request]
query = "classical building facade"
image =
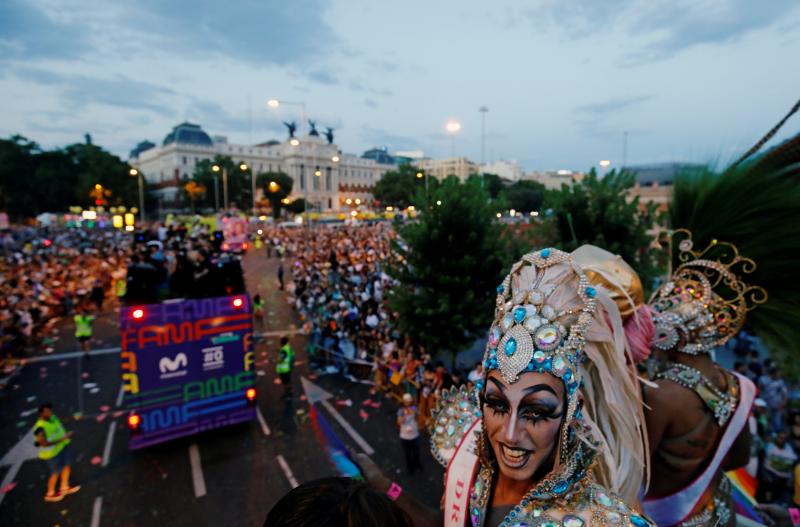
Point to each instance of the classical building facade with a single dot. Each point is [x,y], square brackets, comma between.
[322,174]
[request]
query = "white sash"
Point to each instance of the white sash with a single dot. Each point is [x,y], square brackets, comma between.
[675,508]
[459,479]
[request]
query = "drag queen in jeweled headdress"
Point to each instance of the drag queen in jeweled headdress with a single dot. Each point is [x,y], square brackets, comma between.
[552,435]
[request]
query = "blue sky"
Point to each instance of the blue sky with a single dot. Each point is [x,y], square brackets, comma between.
[689,80]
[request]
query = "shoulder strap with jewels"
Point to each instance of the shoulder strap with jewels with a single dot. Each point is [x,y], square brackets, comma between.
[672,509]
[721,404]
[458,479]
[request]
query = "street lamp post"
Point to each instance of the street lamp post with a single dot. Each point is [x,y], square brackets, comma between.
[215,169]
[140,177]
[484,110]
[420,175]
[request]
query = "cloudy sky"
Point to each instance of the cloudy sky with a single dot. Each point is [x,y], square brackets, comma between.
[689,80]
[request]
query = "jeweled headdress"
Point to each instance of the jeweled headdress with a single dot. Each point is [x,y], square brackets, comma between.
[705,302]
[528,334]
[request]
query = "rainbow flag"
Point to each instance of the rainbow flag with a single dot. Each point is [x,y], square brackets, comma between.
[743,487]
[336,451]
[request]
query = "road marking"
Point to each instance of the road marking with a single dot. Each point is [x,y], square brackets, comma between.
[109,441]
[96,508]
[287,471]
[15,457]
[314,393]
[368,450]
[263,422]
[120,395]
[71,355]
[198,481]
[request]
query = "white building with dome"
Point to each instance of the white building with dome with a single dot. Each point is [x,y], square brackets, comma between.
[340,176]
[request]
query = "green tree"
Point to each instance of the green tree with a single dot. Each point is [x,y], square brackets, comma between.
[525,196]
[491,183]
[277,186]
[597,211]
[449,264]
[239,183]
[297,206]
[398,187]
[33,180]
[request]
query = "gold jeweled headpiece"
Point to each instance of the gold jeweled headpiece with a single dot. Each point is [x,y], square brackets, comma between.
[528,334]
[705,302]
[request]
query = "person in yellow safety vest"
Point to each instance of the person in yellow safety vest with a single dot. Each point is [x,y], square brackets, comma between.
[284,367]
[121,288]
[53,442]
[83,329]
[258,308]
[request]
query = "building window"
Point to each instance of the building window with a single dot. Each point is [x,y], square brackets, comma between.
[330,203]
[184,160]
[316,182]
[302,177]
[328,179]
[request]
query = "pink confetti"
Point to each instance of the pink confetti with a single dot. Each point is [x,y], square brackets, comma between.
[8,488]
[105,408]
[344,402]
[363,415]
[375,404]
[96,460]
[313,376]
[277,380]
[62,363]
[366,402]
[118,413]
[302,397]
[85,375]
[101,417]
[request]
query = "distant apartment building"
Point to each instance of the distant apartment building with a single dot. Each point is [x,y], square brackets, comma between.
[553,179]
[508,170]
[654,182]
[461,167]
[320,171]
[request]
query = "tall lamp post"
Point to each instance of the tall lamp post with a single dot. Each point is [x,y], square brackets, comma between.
[421,175]
[135,173]
[216,168]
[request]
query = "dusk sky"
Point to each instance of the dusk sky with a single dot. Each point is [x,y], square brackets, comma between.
[689,80]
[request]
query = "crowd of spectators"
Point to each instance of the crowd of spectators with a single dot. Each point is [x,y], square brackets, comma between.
[774,427]
[339,286]
[46,274]
[50,273]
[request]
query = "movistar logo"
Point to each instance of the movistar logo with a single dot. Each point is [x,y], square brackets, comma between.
[173,367]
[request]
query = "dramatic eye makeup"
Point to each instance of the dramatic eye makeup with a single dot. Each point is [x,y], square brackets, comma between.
[533,409]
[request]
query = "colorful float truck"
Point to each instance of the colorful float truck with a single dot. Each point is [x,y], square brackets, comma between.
[234,229]
[187,366]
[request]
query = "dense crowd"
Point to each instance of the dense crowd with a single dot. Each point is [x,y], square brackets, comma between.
[774,427]
[46,274]
[339,286]
[50,273]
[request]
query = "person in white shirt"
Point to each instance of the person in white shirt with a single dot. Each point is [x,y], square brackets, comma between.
[409,433]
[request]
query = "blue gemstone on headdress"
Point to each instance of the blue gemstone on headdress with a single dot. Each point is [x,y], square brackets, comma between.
[500,289]
[567,375]
[591,292]
[545,253]
[638,521]
[511,347]
[560,487]
[519,314]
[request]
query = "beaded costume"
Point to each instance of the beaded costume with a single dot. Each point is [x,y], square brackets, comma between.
[530,334]
[702,306]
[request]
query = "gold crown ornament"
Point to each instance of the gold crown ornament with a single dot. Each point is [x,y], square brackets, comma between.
[705,302]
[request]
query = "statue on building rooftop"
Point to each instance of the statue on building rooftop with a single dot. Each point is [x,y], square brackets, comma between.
[292,126]
[313,126]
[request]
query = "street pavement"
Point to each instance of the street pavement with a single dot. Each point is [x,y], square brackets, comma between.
[230,476]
